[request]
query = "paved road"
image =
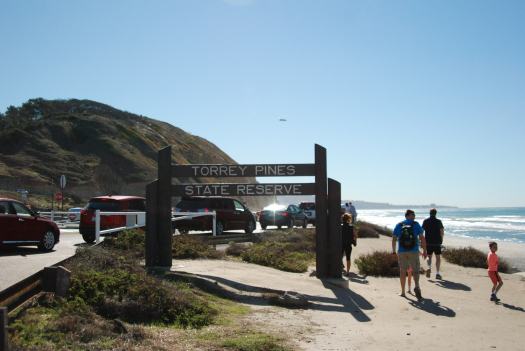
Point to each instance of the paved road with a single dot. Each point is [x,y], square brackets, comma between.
[17,263]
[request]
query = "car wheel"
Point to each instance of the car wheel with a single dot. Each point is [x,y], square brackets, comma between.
[278,227]
[250,227]
[48,241]
[290,224]
[219,228]
[263,225]
[89,238]
[305,223]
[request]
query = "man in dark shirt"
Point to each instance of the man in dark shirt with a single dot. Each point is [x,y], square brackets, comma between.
[434,233]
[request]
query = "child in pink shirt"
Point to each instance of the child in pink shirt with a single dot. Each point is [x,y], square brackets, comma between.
[492,263]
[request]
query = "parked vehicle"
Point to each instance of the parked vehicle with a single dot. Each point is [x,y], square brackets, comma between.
[74,214]
[231,214]
[116,203]
[281,215]
[309,210]
[20,225]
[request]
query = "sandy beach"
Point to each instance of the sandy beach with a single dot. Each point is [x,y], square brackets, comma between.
[367,313]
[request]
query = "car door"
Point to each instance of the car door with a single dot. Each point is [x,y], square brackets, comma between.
[29,229]
[226,214]
[293,213]
[240,215]
[8,222]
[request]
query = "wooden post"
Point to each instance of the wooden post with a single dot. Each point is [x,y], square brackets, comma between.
[4,335]
[152,246]
[334,229]
[321,212]
[164,231]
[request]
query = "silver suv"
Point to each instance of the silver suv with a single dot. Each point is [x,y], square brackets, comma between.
[309,210]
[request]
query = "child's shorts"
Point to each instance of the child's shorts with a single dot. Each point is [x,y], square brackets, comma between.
[494,276]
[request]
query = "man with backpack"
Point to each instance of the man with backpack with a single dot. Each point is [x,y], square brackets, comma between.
[409,234]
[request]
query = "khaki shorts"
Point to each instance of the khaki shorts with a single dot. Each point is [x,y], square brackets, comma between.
[408,259]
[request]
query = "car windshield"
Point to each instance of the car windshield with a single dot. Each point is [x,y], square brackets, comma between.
[307,206]
[275,207]
[103,205]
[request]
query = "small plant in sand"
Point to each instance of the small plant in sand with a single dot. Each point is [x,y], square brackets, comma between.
[378,263]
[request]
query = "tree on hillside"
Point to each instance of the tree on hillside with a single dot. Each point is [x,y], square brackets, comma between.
[107,180]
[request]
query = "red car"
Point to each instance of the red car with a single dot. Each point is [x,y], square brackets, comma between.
[116,203]
[20,225]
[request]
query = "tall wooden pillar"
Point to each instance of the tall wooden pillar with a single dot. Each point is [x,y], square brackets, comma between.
[321,212]
[164,228]
[334,229]
[152,213]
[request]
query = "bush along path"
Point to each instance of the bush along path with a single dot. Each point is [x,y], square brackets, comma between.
[113,304]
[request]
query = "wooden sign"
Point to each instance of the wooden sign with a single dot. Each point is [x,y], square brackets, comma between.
[254,170]
[266,189]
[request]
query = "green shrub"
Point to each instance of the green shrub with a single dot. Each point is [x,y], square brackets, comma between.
[139,298]
[471,257]
[235,249]
[63,325]
[189,246]
[129,240]
[280,255]
[378,263]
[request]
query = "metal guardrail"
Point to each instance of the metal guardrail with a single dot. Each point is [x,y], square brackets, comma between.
[18,293]
[133,220]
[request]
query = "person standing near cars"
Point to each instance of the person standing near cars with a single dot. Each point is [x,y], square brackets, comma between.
[434,233]
[409,236]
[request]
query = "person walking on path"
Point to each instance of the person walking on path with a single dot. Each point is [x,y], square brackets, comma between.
[434,233]
[409,236]
[349,239]
[492,263]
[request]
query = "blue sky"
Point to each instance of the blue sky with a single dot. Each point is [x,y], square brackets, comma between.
[415,101]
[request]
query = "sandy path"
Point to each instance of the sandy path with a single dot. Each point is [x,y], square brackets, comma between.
[359,314]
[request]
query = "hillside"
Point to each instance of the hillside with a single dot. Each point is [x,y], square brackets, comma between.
[100,149]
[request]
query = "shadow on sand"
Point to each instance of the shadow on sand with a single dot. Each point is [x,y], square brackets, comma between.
[431,306]
[345,300]
[21,251]
[447,284]
[511,307]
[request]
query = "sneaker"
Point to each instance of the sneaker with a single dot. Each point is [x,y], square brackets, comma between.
[438,276]
[417,291]
[427,273]
[494,298]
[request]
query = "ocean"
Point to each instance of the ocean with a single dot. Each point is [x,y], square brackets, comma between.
[499,224]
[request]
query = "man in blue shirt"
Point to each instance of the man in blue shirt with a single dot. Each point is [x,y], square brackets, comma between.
[409,234]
